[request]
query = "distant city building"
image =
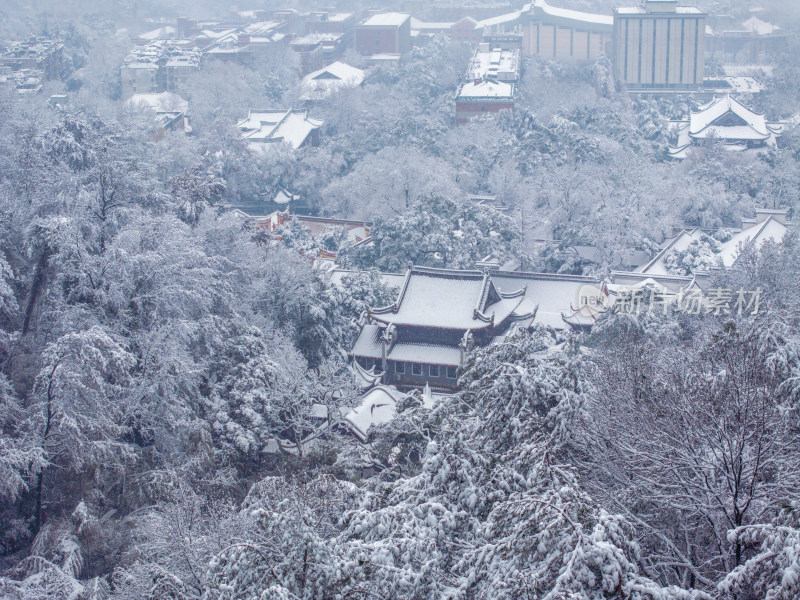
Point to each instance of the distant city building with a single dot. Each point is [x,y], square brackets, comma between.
[243,45]
[25,66]
[35,54]
[537,28]
[447,10]
[317,49]
[728,122]
[509,23]
[161,66]
[467,30]
[23,81]
[328,22]
[422,31]
[490,83]
[384,33]
[265,129]
[749,39]
[659,46]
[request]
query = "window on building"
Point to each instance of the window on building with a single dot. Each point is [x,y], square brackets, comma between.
[400,368]
[433,370]
[451,373]
[416,369]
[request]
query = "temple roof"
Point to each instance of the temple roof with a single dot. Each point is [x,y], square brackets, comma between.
[728,252]
[368,343]
[548,297]
[727,120]
[269,126]
[378,406]
[446,299]
[324,82]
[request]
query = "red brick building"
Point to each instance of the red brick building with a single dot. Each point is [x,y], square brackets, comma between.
[484,96]
[384,33]
[467,30]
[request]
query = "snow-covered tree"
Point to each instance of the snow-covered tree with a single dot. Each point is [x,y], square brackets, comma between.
[436,232]
[688,437]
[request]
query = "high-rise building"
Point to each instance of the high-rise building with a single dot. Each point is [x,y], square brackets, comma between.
[659,46]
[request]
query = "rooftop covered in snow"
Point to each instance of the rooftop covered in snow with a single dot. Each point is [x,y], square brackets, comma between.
[479,90]
[292,127]
[729,121]
[387,19]
[449,299]
[320,84]
[494,63]
[766,226]
[542,8]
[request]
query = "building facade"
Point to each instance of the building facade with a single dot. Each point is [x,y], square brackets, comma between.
[659,46]
[384,33]
[558,33]
[158,67]
[467,30]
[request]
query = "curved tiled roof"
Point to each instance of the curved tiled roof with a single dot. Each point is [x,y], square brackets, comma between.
[447,299]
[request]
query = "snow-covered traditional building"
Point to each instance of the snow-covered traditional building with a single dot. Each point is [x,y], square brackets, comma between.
[263,129]
[320,84]
[441,314]
[728,121]
[438,316]
[693,252]
[378,407]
